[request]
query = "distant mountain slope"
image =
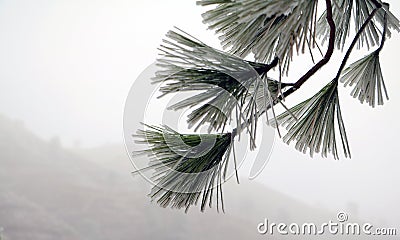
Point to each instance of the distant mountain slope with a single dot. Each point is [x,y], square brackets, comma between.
[48,192]
[26,220]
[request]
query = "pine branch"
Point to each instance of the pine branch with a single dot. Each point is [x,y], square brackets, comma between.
[316,115]
[226,83]
[366,75]
[329,52]
[186,170]
[185,174]
[326,58]
[355,40]
[188,167]
[313,70]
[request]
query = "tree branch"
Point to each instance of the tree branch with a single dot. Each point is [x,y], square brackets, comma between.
[328,55]
[360,31]
[315,68]
[377,3]
[273,64]
[322,62]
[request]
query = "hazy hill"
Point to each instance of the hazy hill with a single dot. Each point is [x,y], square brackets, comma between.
[49,192]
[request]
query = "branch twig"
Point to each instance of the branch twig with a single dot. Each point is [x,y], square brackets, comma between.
[322,62]
[360,31]
[315,68]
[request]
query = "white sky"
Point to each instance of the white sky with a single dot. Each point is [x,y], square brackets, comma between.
[66,68]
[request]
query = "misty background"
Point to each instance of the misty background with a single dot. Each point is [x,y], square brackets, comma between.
[66,68]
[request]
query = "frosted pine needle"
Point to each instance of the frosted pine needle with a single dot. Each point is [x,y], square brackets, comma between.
[187,167]
[317,118]
[358,10]
[224,82]
[366,77]
[265,28]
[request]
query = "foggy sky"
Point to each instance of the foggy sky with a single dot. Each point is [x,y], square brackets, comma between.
[66,68]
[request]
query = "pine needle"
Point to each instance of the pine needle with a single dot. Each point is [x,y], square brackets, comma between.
[225,82]
[266,28]
[366,77]
[314,131]
[187,167]
[358,10]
